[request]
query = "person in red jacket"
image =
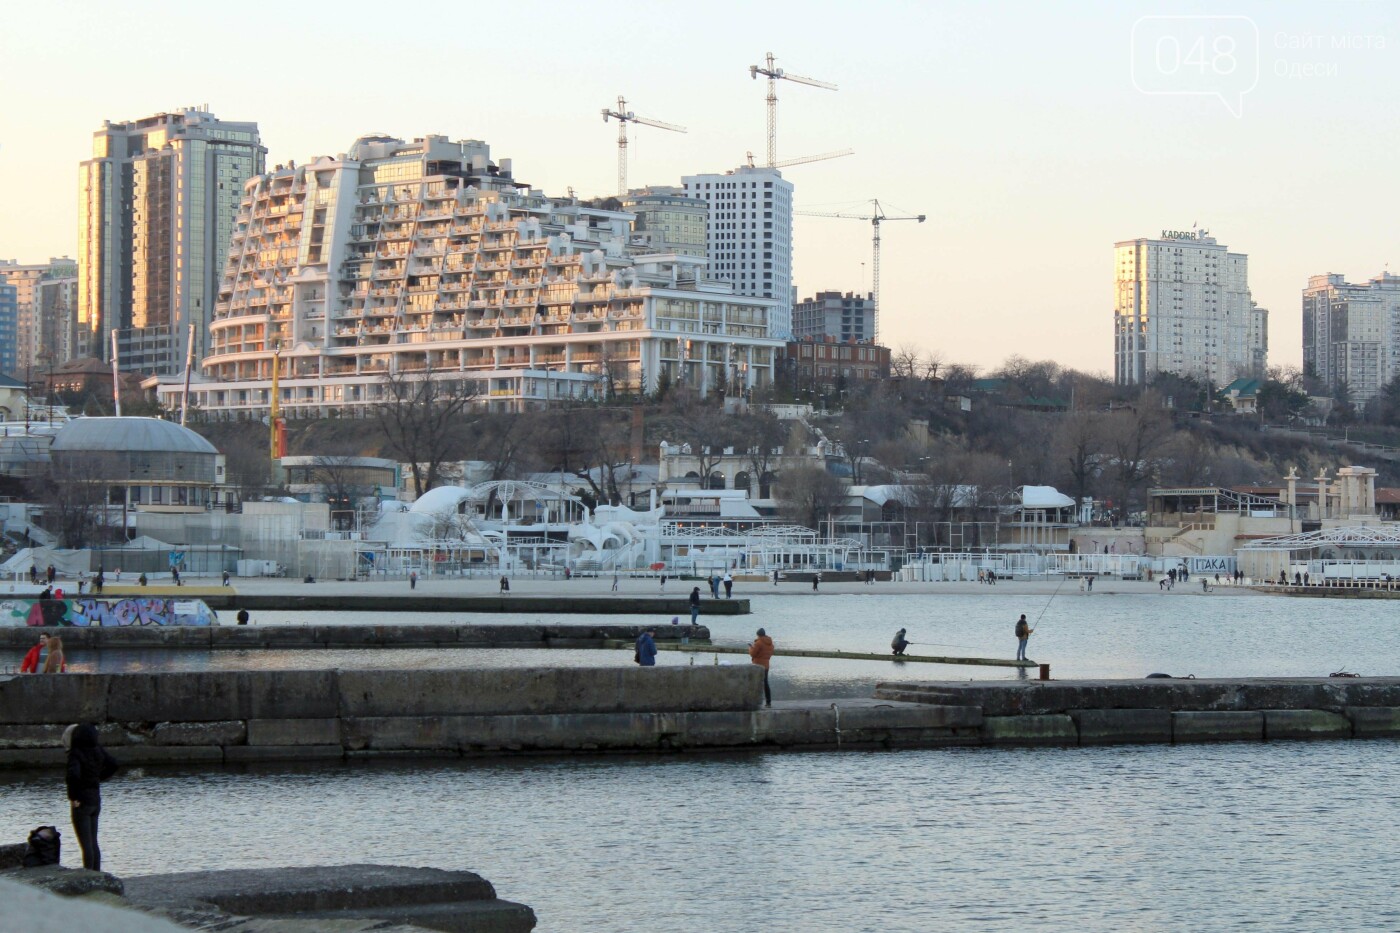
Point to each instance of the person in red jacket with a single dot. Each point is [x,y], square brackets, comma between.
[30,664]
[761,653]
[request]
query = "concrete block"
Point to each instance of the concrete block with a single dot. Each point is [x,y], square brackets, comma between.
[242,754]
[259,891]
[31,908]
[1048,730]
[227,732]
[31,736]
[1305,724]
[1119,726]
[1374,721]
[294,732]
[1199,726]
[212,696]
[169,754]
[911,717]
[41,698]
[33,758]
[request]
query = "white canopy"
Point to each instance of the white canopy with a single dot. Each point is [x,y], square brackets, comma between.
[1044,497]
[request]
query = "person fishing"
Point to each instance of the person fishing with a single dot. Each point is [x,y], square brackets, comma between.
[1023,636]
[899,643]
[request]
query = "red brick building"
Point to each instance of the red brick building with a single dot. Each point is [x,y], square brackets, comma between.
[826,364]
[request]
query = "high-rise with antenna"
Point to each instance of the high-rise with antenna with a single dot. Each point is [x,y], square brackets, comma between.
[623,116]
[774,74]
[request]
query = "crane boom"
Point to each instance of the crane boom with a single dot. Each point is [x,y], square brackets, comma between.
[770,70]
[820,157]
[623,116]
[874,218]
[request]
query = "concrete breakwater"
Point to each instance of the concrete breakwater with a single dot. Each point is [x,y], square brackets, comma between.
[203,638]
[1103,712]
[409,602]
[251,716]
[344,898]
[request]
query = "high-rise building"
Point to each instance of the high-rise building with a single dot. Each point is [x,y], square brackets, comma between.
[832,314]
[1351,333]
[749,233]
[157,203]
[667,220]
[46,308]
[427,257]
[9,314]
[1182,305]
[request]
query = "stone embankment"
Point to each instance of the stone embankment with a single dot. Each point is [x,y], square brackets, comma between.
[408,602]
[257,716]
[342,898]
[203,638]
[1103,712]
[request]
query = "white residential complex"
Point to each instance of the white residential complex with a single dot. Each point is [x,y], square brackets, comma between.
[1182,305]
[427,257]
[1351,333]
[46,311]
[831,314]
[157,203]
[750,233]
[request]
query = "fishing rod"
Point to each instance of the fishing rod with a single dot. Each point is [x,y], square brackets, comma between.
[1047,603]
[942,644]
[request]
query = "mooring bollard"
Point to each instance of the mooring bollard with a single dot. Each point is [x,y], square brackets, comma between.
[1045,672]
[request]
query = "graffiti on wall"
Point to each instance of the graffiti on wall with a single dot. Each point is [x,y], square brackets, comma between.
[142,610]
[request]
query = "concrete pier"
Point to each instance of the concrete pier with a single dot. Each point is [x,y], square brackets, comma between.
[602,604]
[203,638]
[232,717]
[340,898]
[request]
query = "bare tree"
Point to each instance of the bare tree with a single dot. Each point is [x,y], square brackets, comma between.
[1079,440]
[808,494]
[78,499]
[420,418]
[1136,437]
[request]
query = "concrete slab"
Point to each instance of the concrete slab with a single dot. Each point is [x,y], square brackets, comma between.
[1234,726]
[1305,724]
[35,910]
[1374,722]
[293,732]
[1048,730]
[1122,726]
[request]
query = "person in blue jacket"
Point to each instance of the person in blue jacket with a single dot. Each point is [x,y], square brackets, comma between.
[646,648]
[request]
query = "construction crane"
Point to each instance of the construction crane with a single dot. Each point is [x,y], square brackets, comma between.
[811,158]
[875,217]
[623,116]
[774,74]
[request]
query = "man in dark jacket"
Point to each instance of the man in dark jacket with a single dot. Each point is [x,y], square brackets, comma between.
[1023,636]
[694,604]
[88,766]
[646,648]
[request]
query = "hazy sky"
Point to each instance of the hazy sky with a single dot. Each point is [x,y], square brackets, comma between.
[1021,129]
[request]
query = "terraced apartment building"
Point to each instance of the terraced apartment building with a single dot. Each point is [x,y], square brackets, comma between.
[427,257]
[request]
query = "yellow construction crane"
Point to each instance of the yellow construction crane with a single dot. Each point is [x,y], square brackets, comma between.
[623,116]
[774,74]
[875,217]
[811,158]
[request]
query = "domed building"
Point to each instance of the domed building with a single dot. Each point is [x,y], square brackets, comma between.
[148,464]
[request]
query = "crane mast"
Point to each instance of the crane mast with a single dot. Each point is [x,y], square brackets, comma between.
[875,218]
[623,116]
[770,70]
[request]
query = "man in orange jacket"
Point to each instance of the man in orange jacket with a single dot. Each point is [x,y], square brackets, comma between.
[761,652]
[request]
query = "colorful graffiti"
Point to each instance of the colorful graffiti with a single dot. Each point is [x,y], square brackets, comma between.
[143,610]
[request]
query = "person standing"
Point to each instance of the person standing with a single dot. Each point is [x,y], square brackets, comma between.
[413,579]
[816,580]
[505,584]
[663,583]
[225,578]
[33,659]
[900,643]
[761,653]
[728,585]
[694,604]
[55,663]
[646,648]
[89,765]
[52,573]
[1023,636]
[775,576]
[614,586]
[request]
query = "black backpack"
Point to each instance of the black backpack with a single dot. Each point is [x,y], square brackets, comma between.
[43,848]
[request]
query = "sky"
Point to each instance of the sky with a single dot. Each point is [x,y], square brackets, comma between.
[1033,135]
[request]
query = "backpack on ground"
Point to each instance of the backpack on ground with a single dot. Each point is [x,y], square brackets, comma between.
[43,847]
